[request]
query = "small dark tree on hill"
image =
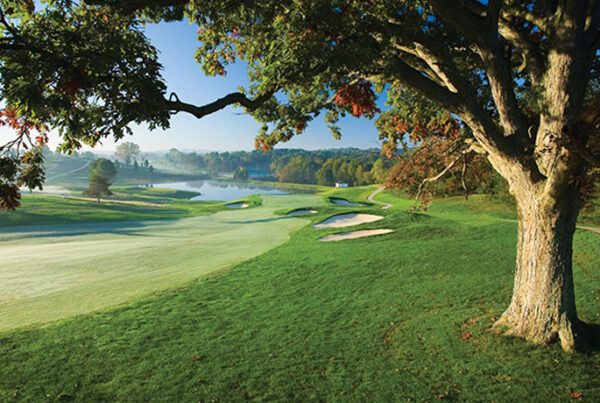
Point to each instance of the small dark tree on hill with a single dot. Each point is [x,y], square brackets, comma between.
[102,173]
[99,186]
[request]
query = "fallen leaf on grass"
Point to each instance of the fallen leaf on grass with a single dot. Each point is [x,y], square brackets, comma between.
[575,395]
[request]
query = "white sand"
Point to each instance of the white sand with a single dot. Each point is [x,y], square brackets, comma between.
[347,220]
[354,234]
[343,202]
[302,212]
[237,205]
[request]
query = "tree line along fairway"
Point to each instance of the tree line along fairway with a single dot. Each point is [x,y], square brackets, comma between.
[49,272]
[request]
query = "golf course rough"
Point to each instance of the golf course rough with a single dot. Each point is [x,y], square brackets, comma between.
[50,272]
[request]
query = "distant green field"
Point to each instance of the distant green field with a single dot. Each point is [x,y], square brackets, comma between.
[146,204]
[72,172]
[399,317]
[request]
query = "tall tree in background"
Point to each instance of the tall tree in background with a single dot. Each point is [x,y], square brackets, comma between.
[127,152]
[515,81]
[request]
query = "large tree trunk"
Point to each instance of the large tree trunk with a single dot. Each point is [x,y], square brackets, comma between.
[543,304]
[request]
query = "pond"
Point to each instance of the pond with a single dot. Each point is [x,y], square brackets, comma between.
[221,190]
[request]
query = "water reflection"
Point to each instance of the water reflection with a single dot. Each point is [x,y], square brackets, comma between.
[221,190]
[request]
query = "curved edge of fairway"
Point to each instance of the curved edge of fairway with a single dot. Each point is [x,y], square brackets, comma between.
[61,275]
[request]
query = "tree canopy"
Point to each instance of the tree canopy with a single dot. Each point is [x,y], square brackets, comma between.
[127,152]
[514,81]
[102,173]
[104,168]
[98,187]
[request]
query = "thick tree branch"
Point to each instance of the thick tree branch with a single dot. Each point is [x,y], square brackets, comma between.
[418,62]
[463,174]
[175,105]
[504,17]
[468,108]
[493,14]
[445,69]
[569,62]
[461,18]
[131,6]
[592,27]
[530,51]
[8,26]
[485,38]
[437,177]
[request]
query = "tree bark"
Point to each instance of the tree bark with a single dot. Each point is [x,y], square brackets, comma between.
[543,304]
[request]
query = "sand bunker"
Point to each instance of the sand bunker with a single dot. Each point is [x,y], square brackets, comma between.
[343,202]
[347,220]
[237,205]
[354,234]
[302,212]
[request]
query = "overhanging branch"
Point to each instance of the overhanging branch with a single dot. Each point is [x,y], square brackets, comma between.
[175,105]
[438,176]
[131,6]
[472,148]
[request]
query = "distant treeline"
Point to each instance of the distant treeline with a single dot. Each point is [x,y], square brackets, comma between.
[324,167]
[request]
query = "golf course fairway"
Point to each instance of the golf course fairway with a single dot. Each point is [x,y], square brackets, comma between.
[50,272]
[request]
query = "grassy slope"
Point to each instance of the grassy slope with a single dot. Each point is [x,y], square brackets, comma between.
[404,316]
[53,271]
[59,167]
[152,203]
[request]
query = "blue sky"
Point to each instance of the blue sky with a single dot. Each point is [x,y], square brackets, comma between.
[228,129]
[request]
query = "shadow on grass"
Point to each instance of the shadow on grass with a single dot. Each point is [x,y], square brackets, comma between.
[261,220]
[592,337]
[129,228]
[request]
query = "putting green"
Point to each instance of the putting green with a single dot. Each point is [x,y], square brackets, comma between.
[53,271]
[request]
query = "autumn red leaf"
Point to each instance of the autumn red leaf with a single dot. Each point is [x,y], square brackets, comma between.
[575,395]
[300,126]
[357,97]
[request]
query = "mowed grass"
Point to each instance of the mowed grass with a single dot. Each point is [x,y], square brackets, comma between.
[128,203]
[49,272]
[400,317]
